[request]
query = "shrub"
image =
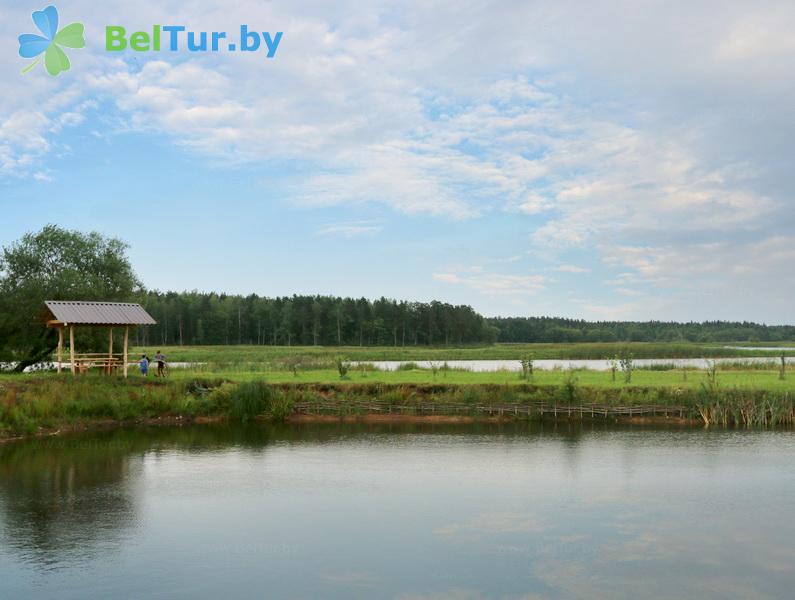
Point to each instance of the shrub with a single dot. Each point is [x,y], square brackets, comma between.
[281,404]
[249,399]
[569,391]
[293,363]
[407,366]
[627,364]
[527,367]
[342,368]
[712,371]
[473,395]
[613,368]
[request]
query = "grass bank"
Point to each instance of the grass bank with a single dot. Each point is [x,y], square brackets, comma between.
[36,404]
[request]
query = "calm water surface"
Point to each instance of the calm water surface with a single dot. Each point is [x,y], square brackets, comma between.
[550,364]
[335,511]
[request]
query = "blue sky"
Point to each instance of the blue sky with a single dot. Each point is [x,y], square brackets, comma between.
[626,161]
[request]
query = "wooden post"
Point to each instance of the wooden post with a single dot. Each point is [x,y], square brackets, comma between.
[126,336]
[109,369]
[72,347]
[60,347]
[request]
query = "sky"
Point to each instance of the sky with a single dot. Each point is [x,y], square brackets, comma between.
[626,160]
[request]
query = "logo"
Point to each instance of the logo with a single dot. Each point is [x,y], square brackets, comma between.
[32,45]
[177,38]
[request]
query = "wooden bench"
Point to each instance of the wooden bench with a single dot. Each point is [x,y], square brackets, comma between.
[107,364]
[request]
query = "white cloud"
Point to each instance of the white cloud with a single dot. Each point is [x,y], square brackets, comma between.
[494,283]
[623,311]
[628,138]
[709,263]
[350,229]
[571,269]
[627,292]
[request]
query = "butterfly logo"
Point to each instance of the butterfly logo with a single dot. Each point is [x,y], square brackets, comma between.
[32,45]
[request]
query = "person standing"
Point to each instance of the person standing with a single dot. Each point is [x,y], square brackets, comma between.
[144,365]
[161,364]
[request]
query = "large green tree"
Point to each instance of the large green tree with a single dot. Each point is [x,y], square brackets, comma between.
[56,264]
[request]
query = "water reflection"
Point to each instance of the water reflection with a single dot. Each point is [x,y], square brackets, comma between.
[399,511]
[67,499]
[64,499]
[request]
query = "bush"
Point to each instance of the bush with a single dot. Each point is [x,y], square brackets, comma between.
[249,399]
[408,366]
[527,367]
[473,395]
[281,404]
[627,364]
[342,368]
[569,391]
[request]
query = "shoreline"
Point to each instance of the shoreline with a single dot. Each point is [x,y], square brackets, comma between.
[48,406]
[100,425]
[110,424]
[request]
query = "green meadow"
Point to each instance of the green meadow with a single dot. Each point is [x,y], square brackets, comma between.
[274,354]
[764,378]
[316,364]
[242,382]
[767,379]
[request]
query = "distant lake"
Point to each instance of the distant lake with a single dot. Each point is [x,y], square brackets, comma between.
[763,348]
[410,512]
[551,364]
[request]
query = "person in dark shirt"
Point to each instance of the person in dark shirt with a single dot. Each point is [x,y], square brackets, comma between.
[161,364]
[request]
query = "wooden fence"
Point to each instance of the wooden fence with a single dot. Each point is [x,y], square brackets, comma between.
[518,410]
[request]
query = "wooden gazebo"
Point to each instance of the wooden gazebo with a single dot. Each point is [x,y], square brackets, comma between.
[71,314]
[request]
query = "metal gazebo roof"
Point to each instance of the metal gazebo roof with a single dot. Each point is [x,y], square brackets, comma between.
[98,313]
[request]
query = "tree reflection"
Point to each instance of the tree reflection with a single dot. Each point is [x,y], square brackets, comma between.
[67,499]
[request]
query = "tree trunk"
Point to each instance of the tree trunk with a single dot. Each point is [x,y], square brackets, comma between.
[45,345]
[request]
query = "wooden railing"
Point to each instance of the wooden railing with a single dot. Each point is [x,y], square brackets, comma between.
[533,408]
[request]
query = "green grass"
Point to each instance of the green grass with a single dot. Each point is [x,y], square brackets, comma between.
[277,354]
[29,403]
[754,378]
[751,379]
[230,384]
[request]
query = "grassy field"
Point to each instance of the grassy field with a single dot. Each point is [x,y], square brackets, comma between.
[762,379]
[243,382]
[277,354]
[690,379]
[308,364]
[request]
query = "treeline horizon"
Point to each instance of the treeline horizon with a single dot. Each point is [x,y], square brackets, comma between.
[209,318]
[60,264]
